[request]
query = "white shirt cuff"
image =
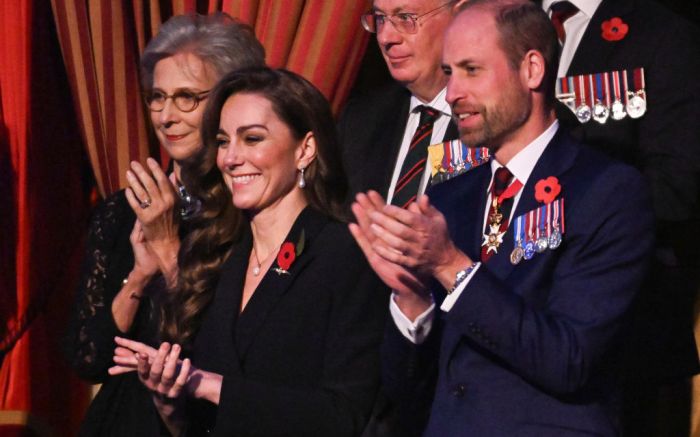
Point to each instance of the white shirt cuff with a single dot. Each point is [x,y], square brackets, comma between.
[451,298]
[415,331]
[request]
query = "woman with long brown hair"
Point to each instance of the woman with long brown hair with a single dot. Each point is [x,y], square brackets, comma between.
[280,314]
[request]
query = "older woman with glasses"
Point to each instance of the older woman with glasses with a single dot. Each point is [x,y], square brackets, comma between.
[280,316]
[135,234]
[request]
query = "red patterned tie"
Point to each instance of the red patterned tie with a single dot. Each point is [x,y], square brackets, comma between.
[501,180]
[562,11]
[413,166]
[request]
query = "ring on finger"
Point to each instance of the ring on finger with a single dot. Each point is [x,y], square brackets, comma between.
[145,203]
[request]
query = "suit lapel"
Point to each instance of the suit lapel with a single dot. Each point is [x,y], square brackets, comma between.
[222,312]
[593,52]
[452,132]
[462,200]
[274,285]
[391,142]
[556,159]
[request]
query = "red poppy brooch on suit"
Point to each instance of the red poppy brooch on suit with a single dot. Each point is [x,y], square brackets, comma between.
[288,254]
[614,29]
[546,190]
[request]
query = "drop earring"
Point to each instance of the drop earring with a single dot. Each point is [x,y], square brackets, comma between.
[302,181]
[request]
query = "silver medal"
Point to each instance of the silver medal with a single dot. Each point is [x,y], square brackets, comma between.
[583,113]
[636,104]
[600,113]
[618,110]
[555,239]
[541,245]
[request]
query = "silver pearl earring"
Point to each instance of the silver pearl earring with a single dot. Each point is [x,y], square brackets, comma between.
[302,181]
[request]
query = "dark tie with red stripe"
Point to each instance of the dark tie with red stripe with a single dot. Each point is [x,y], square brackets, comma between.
[501,180]
[408,184]
[562,11]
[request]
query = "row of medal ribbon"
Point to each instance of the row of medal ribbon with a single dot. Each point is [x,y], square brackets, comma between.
[538,230]
[600,96]
[453,158]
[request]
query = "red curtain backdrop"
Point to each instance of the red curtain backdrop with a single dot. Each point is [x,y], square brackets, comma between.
[101,41]
[42,218]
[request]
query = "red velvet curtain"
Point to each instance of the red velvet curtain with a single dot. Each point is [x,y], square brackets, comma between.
[43,213]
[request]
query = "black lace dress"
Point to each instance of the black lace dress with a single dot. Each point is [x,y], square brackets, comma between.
[123,406]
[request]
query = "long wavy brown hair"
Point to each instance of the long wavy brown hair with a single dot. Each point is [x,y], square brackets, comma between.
[219,225]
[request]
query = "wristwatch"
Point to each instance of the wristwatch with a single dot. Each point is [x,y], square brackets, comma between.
[461,276]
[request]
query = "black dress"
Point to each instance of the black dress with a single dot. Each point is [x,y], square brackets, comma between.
[302,358]
[123,406]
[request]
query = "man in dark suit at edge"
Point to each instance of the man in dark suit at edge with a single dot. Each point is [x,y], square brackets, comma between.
[528,340]
[377,129]
[664,144]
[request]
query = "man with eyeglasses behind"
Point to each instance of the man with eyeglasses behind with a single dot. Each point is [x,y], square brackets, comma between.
[378,129]
[385,133]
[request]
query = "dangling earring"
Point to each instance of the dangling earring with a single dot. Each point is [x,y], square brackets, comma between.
[302,181]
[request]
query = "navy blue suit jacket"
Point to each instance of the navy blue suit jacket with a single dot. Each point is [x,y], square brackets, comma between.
[531,349]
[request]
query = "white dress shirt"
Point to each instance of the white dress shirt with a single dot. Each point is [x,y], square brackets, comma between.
[574,28]
[521,166]
[439,129]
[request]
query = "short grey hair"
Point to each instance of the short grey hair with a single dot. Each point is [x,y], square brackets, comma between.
[220,41]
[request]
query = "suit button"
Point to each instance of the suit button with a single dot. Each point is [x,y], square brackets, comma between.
[458,390]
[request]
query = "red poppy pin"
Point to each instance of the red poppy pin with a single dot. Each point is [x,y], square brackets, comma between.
[546,190]
[614,29]
[288,254]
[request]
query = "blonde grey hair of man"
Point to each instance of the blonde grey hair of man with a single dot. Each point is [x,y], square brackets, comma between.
[524,26]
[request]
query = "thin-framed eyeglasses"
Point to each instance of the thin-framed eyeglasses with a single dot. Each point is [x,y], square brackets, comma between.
[184,100]
[403,22]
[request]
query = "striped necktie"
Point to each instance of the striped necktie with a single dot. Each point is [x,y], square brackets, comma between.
[413,167]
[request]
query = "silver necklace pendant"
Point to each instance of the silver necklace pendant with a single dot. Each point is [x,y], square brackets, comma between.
[256,270]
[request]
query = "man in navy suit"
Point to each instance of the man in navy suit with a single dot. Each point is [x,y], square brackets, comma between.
[517,299]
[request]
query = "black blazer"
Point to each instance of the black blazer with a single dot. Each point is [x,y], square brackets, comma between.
[302,359]
[370,130]
[664,145]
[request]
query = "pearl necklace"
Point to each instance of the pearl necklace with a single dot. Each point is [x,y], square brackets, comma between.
[257,268]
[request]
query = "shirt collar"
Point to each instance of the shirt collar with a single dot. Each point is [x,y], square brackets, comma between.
[438,103]
[588,7]
[522,164]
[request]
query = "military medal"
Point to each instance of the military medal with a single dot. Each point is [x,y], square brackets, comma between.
[583,111]
[517,255]
[529,250]
[453,158]
[538,230]
[519,235]
[565,92]
[555,234]
[636,100]
[617,107]
[541,242]
[602,102]
[494,238]
[601,96]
